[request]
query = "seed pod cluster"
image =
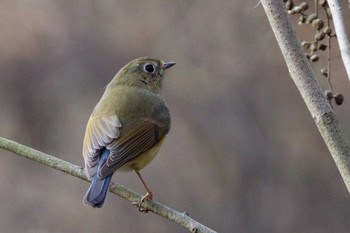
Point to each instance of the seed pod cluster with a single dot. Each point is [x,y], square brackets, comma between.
[320,22]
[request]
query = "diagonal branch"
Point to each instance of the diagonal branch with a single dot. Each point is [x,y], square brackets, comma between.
[304,78]
[180,218]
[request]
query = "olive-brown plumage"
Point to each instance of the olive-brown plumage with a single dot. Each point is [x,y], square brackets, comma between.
[127,126]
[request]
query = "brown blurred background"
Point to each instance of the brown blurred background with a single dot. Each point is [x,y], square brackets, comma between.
[243,154]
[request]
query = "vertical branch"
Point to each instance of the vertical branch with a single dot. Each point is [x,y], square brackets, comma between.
[303,77]
[339,27]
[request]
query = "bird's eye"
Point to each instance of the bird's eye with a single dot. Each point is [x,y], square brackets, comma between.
[149,68]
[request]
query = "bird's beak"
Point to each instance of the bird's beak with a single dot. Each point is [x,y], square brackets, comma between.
[167,65]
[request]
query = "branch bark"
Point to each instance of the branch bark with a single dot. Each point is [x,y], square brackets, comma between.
[181,219]
[340,30]
[304,78]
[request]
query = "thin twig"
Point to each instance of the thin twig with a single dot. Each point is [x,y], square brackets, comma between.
[180,218]
[329,40]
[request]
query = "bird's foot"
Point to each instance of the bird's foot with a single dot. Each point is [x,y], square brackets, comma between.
[148,196]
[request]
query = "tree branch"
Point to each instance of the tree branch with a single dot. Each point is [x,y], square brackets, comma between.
[342,38]
[304,78]
[180,218]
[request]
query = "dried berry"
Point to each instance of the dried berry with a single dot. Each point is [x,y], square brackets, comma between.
[297,9]
[311,18]
[324,71]
[339,99]
[327,30]
[314,57]
[322,47]
[313,47]
[291,12]
[289,5]
[302,19]
[305,44]
[304,6]
[320,36]
[317,24]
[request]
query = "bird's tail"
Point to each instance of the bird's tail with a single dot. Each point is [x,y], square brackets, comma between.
[96,194]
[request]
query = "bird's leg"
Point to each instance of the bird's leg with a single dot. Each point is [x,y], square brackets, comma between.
[147,196]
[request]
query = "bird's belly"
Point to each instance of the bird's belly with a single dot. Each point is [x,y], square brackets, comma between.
[142,160]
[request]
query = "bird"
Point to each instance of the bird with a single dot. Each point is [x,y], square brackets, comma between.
[127,127]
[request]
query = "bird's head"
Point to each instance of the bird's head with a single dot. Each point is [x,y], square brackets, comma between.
[144,72]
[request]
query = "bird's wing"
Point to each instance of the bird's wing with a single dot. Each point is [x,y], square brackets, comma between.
[100,132]
[136,138]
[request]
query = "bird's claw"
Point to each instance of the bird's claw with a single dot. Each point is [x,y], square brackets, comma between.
[148,196]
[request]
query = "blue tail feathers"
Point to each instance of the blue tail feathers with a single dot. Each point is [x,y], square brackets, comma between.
[97,192]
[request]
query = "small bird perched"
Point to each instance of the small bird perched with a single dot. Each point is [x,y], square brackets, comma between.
[127,126]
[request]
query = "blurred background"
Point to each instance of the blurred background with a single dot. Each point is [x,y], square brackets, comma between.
[243,154]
